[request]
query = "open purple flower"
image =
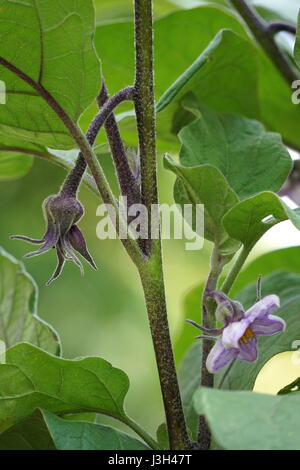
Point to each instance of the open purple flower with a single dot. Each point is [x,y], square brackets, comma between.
[237,339]
[61,213]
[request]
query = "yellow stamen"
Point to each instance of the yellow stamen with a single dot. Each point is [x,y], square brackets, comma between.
[248,334]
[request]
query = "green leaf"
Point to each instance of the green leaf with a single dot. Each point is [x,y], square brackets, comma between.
[88,436]
[251,421]
[174,55]
[291,388]
[297,43]
[112,10]
[52,45]
[243,71]
[229,57]
[242,375]
[190,311]
[189,379]
[29,434]
[16,156]
[251,159]
[19,319]
[285,259]
[163,437]
[248,220]
[32,379]
[206,185]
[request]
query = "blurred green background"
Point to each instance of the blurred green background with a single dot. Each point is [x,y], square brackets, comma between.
[103,313]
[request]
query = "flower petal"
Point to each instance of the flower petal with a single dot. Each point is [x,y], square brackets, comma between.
[59,267]
[78,243]
[233,332]
[248,351]
[27,239]
[264,307]
[68,253]
[267,325]
[219,357]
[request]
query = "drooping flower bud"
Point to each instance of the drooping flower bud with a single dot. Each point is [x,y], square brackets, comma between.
[61,213]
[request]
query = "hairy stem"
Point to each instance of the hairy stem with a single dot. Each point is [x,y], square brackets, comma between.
[145,104]
[152,271]
[279,26]
[235,270]
[265,37]
[208,321]
[154,290]
[128,184]
[72,182]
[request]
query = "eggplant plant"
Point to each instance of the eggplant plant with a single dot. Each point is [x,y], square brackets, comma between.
[208,93]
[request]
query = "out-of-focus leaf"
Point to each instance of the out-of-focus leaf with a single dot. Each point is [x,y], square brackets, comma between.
[162,436]
[88,436]
[242,72]
[52,45]
[285,259]
[29,434]
[250,421]
[19,321]
[189,380]
[112,10]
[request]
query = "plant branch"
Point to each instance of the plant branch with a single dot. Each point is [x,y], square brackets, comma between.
[103,187]
[128,184]
[72,182]
[151,272]
[264,35]
[59,161]
[279,26]
[234,272]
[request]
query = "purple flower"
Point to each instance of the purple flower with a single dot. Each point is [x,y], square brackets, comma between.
[237,339]
[61,213]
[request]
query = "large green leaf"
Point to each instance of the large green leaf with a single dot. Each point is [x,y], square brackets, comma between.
[31,433]
[248,220]
[50,42]
[111,10]
[189,380]
[206,185]
[88,436]
[242,375]
[242,72]
[32,379]
[251,421]
[251,159]
[228,57]
[286,259]
[18,316]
